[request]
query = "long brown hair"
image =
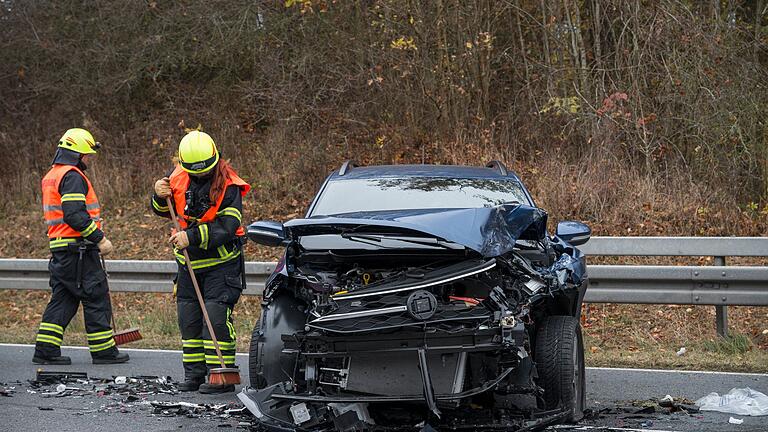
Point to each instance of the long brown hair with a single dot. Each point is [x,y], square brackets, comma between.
[220,174]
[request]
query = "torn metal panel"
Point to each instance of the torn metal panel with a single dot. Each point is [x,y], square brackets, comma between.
[490,231]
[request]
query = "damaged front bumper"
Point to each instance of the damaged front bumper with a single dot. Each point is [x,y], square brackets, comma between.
[425,371]
[278,410]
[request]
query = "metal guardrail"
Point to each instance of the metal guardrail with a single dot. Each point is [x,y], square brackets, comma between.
[677,246]
[713,285]
[687,285]
[124,275]
[718,285]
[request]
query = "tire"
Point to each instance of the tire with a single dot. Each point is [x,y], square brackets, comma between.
[255,374]
[560,365]
[266,364]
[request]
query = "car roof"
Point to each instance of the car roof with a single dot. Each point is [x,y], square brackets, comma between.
[454,171]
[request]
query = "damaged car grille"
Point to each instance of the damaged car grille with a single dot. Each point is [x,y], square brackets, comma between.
[401,318]
[408,301]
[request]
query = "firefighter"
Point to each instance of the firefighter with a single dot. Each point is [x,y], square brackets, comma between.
[72,213]
[207,197]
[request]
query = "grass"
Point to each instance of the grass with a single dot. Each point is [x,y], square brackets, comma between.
[154,314]
[650,336]
[737,344]
[638,336]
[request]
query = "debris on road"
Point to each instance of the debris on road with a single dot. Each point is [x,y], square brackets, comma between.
[740,401]
[735,421]
[638,413]
[123,394]
[678,405]
[62,384]
[6,391]
[52,377]
[193,410]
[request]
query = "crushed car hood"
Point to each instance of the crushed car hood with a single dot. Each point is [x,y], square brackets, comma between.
[490,231]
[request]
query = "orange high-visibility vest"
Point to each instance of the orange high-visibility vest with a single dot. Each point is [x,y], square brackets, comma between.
[180,182]
[52,199]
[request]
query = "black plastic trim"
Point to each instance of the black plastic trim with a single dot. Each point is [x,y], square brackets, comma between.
[498,166]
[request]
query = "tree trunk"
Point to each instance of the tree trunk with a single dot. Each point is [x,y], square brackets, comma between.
[545,41]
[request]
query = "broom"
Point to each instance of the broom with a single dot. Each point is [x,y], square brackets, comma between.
[121,337]
[216,376]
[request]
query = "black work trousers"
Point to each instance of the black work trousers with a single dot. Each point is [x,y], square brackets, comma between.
[221,287]
[67,294]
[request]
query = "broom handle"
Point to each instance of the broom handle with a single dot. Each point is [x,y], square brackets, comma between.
[200,300]
[109,297]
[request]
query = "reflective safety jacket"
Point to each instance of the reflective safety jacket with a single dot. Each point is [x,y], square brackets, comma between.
[70,207]
[216,235]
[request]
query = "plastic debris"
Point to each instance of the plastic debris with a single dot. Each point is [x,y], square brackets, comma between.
[735,421]
[52,377]
[681,351]
[743,401]
[129,394]
[678,405]
[193,410]
[59,384]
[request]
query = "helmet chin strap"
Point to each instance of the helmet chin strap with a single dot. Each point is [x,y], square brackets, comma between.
[81,163]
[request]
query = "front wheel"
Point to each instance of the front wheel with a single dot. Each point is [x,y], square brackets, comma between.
[560,364]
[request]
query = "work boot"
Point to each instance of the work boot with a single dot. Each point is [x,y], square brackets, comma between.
[191,384]
[57,360]
[216,388]
[115,359]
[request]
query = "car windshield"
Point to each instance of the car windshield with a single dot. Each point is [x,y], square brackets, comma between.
[408,193]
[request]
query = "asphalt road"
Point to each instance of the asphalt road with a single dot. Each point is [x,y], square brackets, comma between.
[607,388]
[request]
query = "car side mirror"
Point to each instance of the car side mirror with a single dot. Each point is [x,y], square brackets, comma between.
[267,233]
[575,233]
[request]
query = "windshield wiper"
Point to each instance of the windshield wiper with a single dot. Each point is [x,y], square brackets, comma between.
[376,239]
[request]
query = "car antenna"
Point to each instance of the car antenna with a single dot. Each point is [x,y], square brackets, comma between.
[346,166]
[498,166]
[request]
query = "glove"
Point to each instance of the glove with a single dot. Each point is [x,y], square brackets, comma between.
[105,246]
[179,239]
[163,188]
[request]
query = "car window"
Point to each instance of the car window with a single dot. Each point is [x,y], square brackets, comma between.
[382,194]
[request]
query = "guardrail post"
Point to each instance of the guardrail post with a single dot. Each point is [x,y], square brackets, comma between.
[721,311]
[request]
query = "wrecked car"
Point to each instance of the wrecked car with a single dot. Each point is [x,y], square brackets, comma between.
[416,296]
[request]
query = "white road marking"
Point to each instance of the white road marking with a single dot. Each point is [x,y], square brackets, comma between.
[11,345]
[602,428]
[693,372]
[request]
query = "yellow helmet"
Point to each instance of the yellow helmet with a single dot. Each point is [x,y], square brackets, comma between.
[197,153]
[79,140]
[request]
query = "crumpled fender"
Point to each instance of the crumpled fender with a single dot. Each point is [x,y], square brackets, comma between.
[572,264]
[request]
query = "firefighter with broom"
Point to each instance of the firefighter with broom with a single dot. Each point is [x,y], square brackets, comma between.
[203,195]
[73,216]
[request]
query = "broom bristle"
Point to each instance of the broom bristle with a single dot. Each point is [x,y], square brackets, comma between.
[127,336]
[224,376]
